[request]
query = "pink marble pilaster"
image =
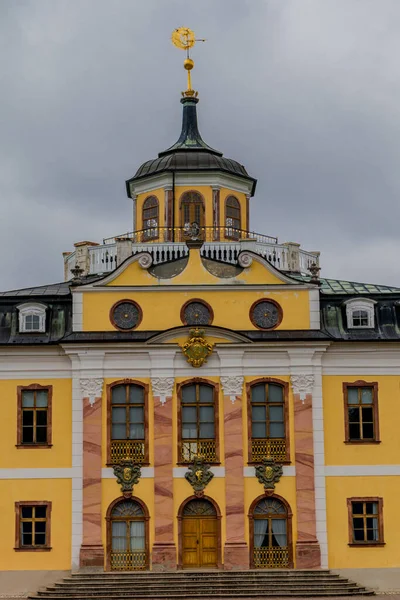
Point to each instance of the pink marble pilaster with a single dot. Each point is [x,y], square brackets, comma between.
[92,551]
[308,554]
[164,549]
[236,552]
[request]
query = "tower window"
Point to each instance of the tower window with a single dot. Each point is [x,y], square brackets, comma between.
[232,218]
[150,218]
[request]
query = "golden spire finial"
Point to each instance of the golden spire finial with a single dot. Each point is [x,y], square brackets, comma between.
[184,38]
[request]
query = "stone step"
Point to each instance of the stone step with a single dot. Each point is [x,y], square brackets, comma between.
[128,584]
[203,572]
[128,591]
[289,592]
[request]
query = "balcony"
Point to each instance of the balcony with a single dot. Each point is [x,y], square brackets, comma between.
[133,450]
[206,449]
[164,244]
[260,448]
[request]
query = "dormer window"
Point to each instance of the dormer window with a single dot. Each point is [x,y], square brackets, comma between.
[32,317]
[360,313]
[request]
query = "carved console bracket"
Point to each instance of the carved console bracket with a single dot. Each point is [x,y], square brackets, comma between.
[92,389]
[199,475]
[302,385]
[128,474]
[162,387]
[269,473]
[232,386]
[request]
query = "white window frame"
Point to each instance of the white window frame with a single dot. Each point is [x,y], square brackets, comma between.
[32,309]
[365,304]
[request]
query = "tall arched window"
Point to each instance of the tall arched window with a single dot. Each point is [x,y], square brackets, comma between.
[150,218]
[199,422]
[128,534]
[232,218]
[192,209]
[127,404]
[270,534]
[268,421]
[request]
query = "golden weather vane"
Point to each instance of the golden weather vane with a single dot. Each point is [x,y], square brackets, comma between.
[184,38]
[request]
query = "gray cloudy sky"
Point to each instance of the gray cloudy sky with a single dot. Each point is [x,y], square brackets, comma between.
[305,93]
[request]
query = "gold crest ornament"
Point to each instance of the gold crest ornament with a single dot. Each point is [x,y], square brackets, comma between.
[184,38]
[197,349]
[127,474]
[268,473]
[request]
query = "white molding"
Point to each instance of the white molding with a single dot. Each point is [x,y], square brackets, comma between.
[77,465]
[288,471]
[180,331]
[302,385]
[372,359]
[232,386]
[36,309]
[362,470]
[38,473]
[162,180]
[315,315]
[145,473]
[92,388]
[162,387]
[77,311]
[179,472]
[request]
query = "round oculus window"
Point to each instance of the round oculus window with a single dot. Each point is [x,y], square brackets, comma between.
[126,315]
[196,312]
[266,314]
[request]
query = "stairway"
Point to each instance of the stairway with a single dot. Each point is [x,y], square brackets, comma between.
[190,585]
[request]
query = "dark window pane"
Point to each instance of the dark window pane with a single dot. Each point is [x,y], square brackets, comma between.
[189,414]
[259,413]
[372,508]
[189,393]
[40,539]
[136,414]
[372,535]
[357,508]
[358,523]
[27,417]
[41,435]
[118,432]
[136,394]
[367,414]
[259,430]
[26,526]
[26,512]
[206,394]
[354,415]
[258,393]
[40,527]
[275,393]
[276,413]
[358,535]
[118,415]
[276,430]
[41,417]
[41,398]
[207,431]
[27,539]
[136,432]
[366,395]
[189,431]
[206,414]
[354,431]
[40,512]
[368,431]
[118,394]
[27,435]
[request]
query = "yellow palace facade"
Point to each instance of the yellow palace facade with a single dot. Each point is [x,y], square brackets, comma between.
[194,395]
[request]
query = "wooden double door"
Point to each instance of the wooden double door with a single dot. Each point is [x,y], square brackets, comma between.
[199,536]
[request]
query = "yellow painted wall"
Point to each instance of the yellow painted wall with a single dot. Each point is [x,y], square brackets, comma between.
[160,312]
[57,456]
[339,453]
[341,555]
[160,195]
[57,491]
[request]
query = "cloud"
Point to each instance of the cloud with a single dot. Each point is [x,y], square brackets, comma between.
[303,93]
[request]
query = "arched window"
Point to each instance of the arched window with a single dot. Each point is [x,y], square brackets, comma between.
[150,218]
[127,422]
[360,313]
[32,317]
[128,535]
[232,218]
[198,431]
[192,210]
[268,417]
[271,546]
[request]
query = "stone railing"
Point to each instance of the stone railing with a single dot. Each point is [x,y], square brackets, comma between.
[96,259]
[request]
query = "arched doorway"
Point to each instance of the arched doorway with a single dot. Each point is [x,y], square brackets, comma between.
[200,534]
[270,533]
[127,535]
[192,209]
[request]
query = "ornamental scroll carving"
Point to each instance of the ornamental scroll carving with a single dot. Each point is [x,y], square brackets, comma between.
[92,389]
[199,475]
[232,386]
[302,385]
[162,387]
[128,475]
[269,473]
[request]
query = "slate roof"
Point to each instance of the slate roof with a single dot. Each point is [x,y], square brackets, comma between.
[351,288]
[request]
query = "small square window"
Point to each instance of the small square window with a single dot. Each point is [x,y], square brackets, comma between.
[366,521]
[32,528]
